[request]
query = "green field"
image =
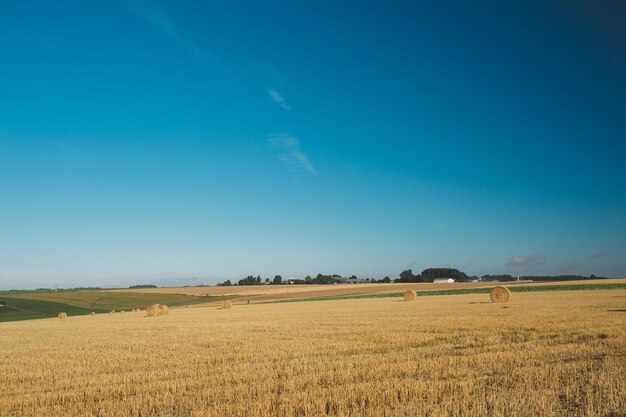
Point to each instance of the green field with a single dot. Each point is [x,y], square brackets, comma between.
[27,305]
[529,288]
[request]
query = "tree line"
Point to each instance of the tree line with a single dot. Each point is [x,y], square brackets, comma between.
[427,275]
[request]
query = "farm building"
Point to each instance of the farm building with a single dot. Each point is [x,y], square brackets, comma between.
[443,280]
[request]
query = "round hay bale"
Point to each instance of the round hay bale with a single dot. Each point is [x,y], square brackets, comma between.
[93,313]
[226,304]
[62,315]
[409,295]
[163,309]
[500,295]
[153,310]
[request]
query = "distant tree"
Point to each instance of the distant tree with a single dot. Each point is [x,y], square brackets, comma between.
[556,278]
[267,280]
[327,279]
[407,276]
[227,283]
[387,280]
[278,280]
[497,278]
[430,274]
[308,280]
[250,280]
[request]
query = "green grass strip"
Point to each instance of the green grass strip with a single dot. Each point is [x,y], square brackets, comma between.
[529,288]
[24,309]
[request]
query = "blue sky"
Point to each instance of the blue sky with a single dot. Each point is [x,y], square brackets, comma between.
[191,142]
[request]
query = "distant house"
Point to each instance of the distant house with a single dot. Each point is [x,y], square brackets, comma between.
[443,280]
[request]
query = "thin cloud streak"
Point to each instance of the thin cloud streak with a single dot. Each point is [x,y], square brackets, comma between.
[152,12]
[278,99]
[290,153]
[528,260]
[59,144]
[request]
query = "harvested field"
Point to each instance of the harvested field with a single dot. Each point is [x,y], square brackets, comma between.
[541,354]
[258,293]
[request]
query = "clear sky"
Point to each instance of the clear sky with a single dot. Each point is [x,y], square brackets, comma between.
[184,142]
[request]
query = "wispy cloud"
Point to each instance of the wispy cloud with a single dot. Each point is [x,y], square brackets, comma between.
[151,11]
[527,260]
[59,144]
[291,154]
[278,98]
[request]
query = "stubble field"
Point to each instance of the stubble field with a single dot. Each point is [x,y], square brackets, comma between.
[542,354]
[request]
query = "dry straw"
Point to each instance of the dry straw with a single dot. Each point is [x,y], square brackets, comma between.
[157,310]
[226,304]
[62,315]
[93,313]
[500,295]
[153,310]
[409,295]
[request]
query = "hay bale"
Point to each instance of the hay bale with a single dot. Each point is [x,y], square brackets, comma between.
[409,295]
[500,295]
[226,304]
[153,310]
[163,309]
[62,315]
[93,313]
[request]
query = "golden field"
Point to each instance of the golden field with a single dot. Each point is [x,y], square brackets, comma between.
[278,292]
[542,354]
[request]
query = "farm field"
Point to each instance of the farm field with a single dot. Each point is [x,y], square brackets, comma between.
[280,292]
[542,354]
[26,305]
